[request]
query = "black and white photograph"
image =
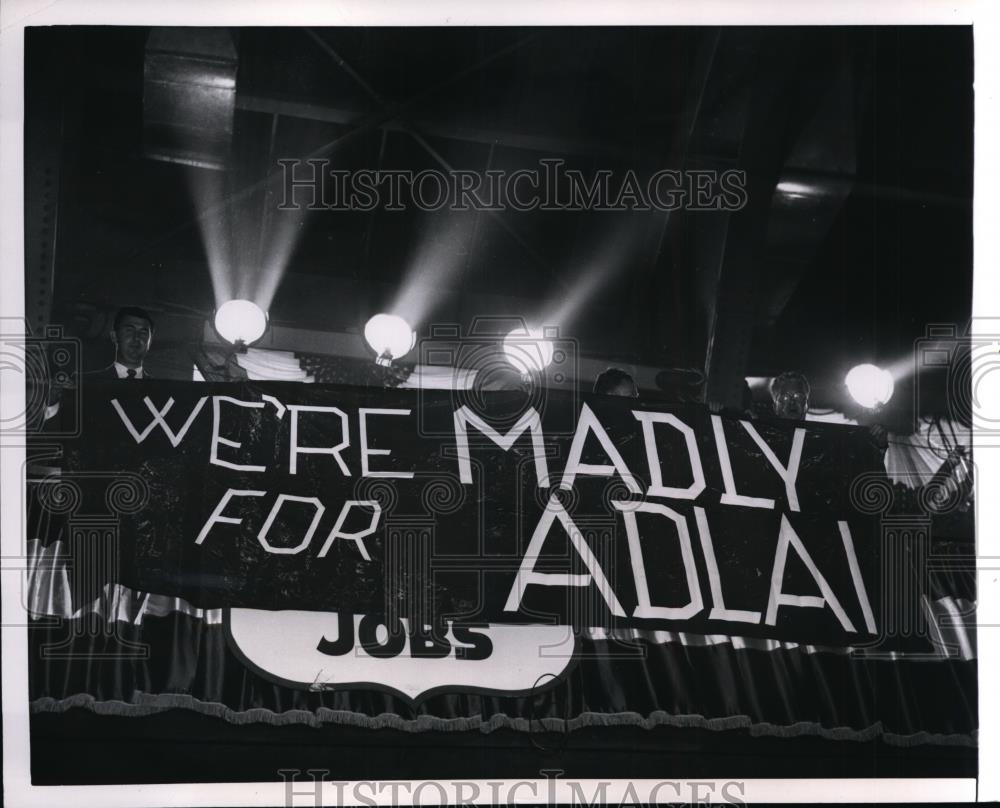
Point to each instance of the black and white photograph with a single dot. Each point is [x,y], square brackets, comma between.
[486,410]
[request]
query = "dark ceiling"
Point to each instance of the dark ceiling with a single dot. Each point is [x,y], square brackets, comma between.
[875,124]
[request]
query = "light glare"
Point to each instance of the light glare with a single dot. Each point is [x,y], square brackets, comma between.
[240,321]
[869,385]
[390,336]
[528,350]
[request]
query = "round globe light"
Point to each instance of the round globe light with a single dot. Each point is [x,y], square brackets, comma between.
[240,321]
[390,336]
[869,385]
[528,350]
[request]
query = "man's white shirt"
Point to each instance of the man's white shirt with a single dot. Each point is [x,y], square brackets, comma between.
[122,371]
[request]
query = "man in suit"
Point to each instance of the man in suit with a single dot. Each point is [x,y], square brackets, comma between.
[131,334]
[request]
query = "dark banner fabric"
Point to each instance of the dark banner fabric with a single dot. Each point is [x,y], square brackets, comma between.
[599,512]
[433,560]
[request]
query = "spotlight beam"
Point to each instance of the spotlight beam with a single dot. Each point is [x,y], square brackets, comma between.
[363,126]
[432,265]
[216,232]
[400,115]
[267,214]
[611,256]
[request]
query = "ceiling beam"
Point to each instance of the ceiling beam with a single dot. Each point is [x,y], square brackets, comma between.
[358,128]
[761,155]
[417,134]
[549,144]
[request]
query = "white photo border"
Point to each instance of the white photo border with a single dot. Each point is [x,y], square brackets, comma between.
[15,15]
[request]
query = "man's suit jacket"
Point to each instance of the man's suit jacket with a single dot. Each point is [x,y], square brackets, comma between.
[55,390]
[136,602]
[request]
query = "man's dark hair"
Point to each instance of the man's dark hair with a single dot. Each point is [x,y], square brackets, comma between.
[789,376]
[132,311]
[610,379]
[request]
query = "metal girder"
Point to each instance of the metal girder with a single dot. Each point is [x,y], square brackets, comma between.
[761,152]
[359,128]
[399,114]
[547,144]
[189,92]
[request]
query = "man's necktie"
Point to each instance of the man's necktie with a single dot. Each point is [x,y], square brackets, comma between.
[130,373]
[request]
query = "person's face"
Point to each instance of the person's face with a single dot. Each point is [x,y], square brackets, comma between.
[791,401]
[624,388]
[131,339]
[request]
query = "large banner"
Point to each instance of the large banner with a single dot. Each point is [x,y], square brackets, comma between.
[427,560]
[602,512]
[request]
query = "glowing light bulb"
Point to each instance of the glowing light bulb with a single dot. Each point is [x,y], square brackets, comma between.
[869,385]
[390,336]
[528,350]
[240,321]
